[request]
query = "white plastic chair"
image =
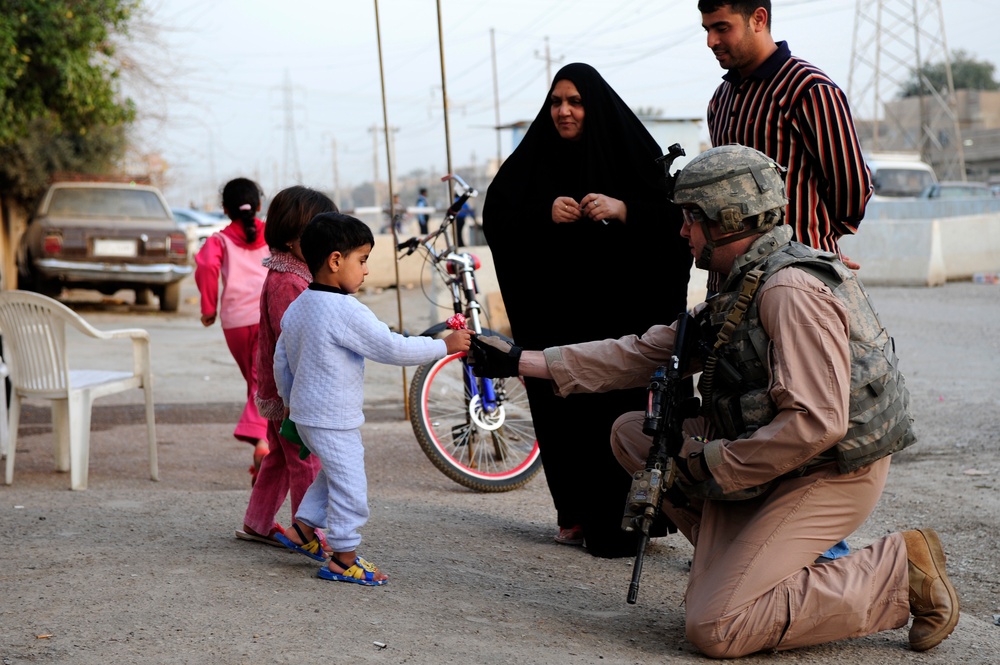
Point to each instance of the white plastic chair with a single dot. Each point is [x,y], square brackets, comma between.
[34,340]
[4,438]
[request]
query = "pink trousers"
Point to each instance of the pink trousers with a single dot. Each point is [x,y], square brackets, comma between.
[242,344]
[281,473]
[753,585]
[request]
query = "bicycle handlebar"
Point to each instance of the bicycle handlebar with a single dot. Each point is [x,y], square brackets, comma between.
[409,245]
[461,183]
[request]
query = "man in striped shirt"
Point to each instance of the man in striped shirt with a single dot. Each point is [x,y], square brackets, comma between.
[790,110]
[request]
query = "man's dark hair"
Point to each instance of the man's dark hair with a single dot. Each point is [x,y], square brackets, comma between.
[331,232]
[744,8]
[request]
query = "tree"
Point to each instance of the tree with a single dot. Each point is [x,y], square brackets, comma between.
[60,103]
[966,73]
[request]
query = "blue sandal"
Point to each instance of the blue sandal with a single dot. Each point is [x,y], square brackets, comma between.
[360,572]
[312,549]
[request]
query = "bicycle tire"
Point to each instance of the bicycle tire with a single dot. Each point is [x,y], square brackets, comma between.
[485,460]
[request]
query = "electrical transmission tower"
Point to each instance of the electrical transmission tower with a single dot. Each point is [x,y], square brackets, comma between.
[894,42]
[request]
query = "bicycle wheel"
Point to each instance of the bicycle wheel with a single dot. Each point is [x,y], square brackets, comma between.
[488,452]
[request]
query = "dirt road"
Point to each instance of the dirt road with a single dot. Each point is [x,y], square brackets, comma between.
[134,571]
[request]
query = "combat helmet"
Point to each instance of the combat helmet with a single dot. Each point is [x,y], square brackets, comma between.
[731,183]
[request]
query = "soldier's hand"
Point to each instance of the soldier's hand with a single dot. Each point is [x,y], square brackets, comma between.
[493,358]
[691,460]
[698,426]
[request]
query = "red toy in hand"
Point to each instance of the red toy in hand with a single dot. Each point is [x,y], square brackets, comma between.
[456,322]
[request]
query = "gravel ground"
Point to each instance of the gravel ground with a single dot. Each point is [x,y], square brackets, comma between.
[136,571]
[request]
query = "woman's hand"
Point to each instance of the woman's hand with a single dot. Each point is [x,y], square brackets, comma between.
[565,209]
[599,207]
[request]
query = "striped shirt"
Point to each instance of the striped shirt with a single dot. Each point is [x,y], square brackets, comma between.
[792,112]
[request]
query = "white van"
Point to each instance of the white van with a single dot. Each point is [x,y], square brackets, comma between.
[898,175]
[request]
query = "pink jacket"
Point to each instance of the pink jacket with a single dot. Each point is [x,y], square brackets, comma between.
[239,263]
[287,277]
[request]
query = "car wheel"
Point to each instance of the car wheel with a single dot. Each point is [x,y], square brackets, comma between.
[33,281]
[170,298]
[144,296]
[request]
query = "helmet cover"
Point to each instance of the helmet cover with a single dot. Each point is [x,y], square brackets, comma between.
[730,183]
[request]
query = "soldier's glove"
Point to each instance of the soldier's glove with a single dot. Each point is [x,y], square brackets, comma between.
[493,358]
[691,460]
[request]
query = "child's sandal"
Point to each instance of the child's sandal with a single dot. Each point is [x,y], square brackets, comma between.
[360,572]
[312,549]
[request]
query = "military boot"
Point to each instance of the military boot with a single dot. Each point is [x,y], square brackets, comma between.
[933,601]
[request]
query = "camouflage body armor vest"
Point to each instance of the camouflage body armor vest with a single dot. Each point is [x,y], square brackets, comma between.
[735,389]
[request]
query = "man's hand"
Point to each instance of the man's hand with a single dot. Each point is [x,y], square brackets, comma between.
[493,358]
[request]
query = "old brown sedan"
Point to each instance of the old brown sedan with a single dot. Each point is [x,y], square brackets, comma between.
[106,237]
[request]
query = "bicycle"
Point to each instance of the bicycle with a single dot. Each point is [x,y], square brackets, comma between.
[476,431]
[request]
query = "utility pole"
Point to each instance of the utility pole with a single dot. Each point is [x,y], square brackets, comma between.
[291,150]
[374,130]
[390,156]
[496,93]
[548,60]
[336,174]
[894,41]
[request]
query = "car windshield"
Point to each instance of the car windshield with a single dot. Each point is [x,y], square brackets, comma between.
[107,202]
[902,182]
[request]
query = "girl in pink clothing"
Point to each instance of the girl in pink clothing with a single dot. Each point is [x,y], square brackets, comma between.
[236,254]
[282,471]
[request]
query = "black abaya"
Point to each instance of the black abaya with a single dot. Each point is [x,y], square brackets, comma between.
[584,281]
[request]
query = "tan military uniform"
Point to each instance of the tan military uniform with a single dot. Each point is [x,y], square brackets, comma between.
[753,585]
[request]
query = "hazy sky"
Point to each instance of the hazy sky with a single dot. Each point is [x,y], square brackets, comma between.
[266,89]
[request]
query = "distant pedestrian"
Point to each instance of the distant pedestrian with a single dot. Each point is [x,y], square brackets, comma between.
[422,217]
[283,472]
[397,216]
[235,254]
[466,212]
[319,363]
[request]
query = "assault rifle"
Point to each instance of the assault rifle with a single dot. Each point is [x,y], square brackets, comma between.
[666,410]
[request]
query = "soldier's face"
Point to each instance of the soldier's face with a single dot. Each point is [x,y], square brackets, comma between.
[693,231]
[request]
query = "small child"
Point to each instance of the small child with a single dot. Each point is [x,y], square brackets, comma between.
[319,364]
[235,254]
[283,472]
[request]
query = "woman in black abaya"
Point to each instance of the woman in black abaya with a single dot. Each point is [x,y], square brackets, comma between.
[586,247]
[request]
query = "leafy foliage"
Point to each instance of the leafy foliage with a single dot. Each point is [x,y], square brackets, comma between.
[60,104]
[966,73]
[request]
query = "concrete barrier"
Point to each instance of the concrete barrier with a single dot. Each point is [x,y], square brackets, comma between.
[925,252]
[897,252]
[970,245]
